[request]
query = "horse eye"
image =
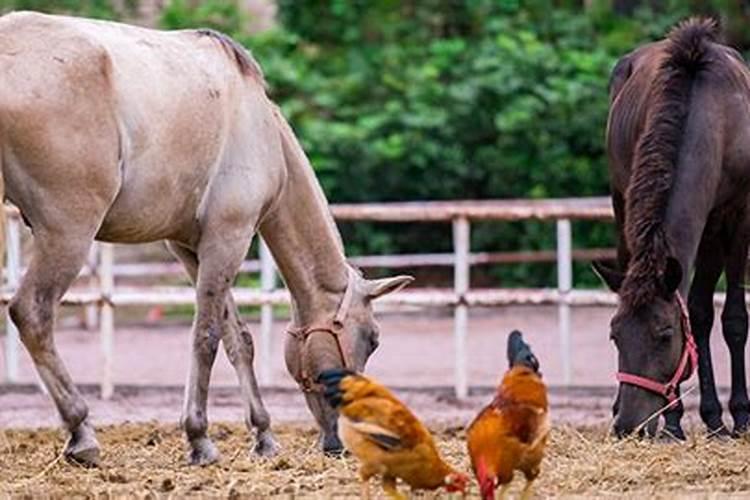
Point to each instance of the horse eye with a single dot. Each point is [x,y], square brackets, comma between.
[373,341]
[372,337]
[665,332]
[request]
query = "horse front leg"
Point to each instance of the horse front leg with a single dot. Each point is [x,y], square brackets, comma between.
[734,327]
[220,258]
[672,420]
[238,345]
[709,264]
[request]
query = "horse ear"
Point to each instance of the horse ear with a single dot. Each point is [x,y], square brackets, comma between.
[611,277]
[672,275]
[378,288]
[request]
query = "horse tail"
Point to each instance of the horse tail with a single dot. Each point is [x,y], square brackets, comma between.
[687,52]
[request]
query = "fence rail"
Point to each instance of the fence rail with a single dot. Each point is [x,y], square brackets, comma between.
[103,293]
[140,269]
[593,208]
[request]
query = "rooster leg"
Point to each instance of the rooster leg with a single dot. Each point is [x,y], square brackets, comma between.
[365,473]
[390,488]
[364,489]
[527,492]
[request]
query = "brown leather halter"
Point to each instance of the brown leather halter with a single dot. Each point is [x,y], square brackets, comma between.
[334,327]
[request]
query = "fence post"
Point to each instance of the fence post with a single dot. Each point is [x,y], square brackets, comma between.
[12,276]
[461,243]
[564,285]
[107,317]
[267,284]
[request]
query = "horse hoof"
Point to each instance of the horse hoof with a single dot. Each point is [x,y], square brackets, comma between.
[740,430]
[203,452]
[265,445]
[84,454]
[671,435]
[720,433]
[86,458]
[82,447]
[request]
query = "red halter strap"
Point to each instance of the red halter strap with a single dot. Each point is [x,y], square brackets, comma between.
[334,327]
[686,367]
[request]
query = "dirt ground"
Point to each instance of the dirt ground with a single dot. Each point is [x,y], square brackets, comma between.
[143,451]
[147,461]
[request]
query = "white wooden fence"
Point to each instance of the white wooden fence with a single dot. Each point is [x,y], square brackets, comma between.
[105,295]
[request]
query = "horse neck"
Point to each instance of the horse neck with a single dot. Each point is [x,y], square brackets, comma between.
[685,223]
[304,240]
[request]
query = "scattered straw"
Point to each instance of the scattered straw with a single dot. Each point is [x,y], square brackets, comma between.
[664,408]
[147,461]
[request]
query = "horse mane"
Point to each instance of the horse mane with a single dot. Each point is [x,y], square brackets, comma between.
[685,53]
[245,61]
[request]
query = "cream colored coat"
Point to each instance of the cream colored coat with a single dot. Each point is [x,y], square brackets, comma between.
[124,134]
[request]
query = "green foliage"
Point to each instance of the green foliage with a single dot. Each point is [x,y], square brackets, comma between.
[428,99]
[101,9]
[409,100]
[220,15]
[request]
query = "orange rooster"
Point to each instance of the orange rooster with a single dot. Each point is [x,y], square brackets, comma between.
[385,436]
[511,432]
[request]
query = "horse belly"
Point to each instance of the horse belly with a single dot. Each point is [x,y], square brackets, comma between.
[168,218]
[166,171]
[156,202]
[173,142]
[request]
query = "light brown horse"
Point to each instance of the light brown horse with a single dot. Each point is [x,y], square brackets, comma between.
[129,135]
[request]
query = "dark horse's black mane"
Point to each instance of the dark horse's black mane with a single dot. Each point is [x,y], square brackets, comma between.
[687,52]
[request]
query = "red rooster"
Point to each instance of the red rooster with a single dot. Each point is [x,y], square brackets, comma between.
[511,432]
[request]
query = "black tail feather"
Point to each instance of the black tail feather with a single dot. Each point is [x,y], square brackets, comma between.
[331,380]
[519,352]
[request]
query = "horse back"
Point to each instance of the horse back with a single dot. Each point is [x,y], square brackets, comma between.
[155,113]
[720,96]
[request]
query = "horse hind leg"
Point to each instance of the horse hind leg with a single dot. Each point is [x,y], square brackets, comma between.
[708,268]
[55,263]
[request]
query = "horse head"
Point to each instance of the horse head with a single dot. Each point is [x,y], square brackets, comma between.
[655,350]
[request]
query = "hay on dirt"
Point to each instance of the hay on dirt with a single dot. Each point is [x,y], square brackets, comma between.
[147,461]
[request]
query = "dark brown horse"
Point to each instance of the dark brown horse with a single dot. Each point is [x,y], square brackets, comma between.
[678,140]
